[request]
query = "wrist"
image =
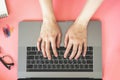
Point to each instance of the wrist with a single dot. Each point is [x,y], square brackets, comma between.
[82,21]
[49,20]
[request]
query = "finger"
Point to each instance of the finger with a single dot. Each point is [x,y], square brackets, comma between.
[66,40]
[79,52]
[58,40]
[43,49]
[39,43]
[67,49]
[54,47]
[74,50]
[85,48]
[48,50]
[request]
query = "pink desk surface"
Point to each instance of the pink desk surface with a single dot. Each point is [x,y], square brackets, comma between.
[108,13]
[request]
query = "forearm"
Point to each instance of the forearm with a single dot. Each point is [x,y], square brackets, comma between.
[88,10]
[47,10]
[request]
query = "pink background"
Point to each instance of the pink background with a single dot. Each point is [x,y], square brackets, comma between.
[108,13]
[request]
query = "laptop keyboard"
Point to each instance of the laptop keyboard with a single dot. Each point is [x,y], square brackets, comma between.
[37,63]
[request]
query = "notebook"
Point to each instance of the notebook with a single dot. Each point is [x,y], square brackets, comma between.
[3,9]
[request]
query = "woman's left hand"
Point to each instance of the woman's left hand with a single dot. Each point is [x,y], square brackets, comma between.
[76,38]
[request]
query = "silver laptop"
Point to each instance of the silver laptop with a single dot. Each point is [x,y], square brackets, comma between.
[28,35]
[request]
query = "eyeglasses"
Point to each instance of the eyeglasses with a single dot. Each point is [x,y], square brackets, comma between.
[7,61]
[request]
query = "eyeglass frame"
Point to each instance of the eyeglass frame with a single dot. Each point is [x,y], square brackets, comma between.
[7,65]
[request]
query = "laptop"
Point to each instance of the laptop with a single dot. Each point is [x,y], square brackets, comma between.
[31,63]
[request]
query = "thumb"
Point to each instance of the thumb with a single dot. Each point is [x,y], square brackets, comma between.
[58,40]
[66,41]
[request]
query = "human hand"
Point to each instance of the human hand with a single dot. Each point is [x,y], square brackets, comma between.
[50,34]
[76,38]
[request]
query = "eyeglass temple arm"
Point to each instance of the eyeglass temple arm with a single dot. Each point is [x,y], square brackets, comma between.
[9,67]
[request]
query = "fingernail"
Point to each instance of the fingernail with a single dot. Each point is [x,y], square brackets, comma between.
[64,56]
[83,55]
[76,59]
[56,55]
[49,58]
[70,58]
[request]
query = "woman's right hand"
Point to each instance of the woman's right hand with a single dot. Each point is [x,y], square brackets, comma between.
[50,35]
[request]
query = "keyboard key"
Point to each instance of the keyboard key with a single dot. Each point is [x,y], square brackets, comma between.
[28,48]
[69,61]
[49,66]
[58,66]
[29,66]
[72,66]
[79,61]
[32,62]
[39,53]
[83,61]
[74,61]
[51,61]
[63,66]
[67,66]
[86,66]
[89,61]
[42,62]
[46,61]
[89,53]
[53,57]
[30,53]
[37,61]
[90,66]
[53,66]
[60,61]
[90,48]
[81,66]
[44,66]
[89,57]
[65,61]
[76,66]
[40,66]
[36,57]
[28,61]
[35,66]
[30,57]
[56,61]
[41,57]
[33,48]
[60,57]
